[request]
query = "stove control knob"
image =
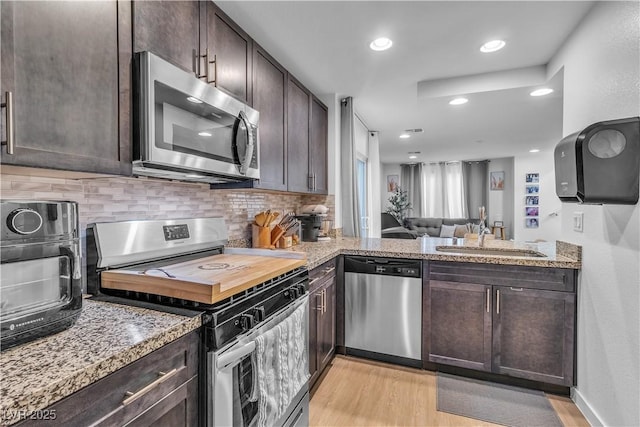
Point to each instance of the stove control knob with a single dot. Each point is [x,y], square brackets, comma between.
[259,314]
[301,289]
[291,293]
[24,221]
[245,322]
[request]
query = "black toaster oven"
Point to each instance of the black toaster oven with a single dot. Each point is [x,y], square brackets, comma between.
[40,272]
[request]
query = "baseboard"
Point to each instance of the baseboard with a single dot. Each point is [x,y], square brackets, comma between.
[586,409]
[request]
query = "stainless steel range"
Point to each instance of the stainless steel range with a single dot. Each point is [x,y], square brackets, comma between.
[255,305]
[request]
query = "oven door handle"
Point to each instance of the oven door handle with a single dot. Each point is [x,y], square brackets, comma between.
[232,357]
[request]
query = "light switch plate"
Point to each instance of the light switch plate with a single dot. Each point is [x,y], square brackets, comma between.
[578,221]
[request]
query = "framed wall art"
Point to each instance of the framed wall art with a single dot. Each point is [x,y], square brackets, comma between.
[497,181]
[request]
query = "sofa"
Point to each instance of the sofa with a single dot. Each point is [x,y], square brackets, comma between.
[418,227]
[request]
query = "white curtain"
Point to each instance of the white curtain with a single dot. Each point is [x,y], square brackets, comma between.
[455,201]
[412,181]
[350,214]
[444,194]
[374,180]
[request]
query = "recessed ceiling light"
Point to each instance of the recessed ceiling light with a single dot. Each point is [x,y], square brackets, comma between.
[534,150]
[204,133]
[194,100]
[381,43]
[405,136]
[492,46]
[541,92]
[458,101]
[413,157]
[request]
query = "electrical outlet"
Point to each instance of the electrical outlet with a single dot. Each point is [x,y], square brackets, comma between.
[578,221]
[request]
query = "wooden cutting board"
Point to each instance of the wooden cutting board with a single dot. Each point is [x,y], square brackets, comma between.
[207,280]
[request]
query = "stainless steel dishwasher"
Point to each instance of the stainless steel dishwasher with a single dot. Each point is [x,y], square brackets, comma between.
[383,306]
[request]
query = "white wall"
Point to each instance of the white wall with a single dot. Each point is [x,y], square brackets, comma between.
[549,222]
[501,203]
[601,61]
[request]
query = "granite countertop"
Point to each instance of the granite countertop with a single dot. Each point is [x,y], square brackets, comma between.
[557,254]
[105,338]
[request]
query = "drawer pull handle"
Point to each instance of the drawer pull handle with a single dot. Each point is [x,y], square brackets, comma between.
[516,289]
[163,376]
[329,270]
[314,280]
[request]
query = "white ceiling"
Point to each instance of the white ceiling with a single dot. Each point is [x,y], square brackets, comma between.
[325,45]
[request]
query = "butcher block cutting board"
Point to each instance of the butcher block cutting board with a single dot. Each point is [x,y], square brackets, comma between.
[206,280]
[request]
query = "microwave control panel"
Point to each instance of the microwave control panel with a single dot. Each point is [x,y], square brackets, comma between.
[175,232]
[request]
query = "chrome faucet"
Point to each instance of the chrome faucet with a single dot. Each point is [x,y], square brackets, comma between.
[482,228]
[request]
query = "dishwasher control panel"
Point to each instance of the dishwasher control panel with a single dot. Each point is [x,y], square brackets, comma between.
[383,266]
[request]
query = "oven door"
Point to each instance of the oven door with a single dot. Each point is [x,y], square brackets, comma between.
[38,284]
[189,125]
[232,394]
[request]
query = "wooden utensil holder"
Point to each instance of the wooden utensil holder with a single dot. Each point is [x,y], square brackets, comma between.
[260,236]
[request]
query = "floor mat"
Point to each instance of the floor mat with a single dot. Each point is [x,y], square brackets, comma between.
[495,403]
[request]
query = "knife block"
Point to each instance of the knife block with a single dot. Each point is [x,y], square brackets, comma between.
[260,236]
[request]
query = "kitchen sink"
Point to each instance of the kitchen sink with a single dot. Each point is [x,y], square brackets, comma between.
[490,251]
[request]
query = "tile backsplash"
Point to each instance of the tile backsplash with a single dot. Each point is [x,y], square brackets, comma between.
[123,198]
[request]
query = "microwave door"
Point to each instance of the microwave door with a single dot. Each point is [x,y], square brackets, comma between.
[243,142]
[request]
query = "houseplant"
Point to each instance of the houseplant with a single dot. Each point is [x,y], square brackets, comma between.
[399,204]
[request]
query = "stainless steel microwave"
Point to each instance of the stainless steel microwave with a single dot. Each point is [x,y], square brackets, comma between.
[189,130]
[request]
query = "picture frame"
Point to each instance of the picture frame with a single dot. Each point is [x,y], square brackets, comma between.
[498,223]
[497,181]
[533,189]
[392,183]
[532,178]
[531,211]
[532,222]
[532,200]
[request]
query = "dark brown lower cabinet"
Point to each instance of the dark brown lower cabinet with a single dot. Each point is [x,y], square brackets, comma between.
[160,389]
[322,319]
[515,321]
[533,334]
[460,325]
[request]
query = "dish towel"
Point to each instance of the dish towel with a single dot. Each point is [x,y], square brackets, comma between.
[282,366]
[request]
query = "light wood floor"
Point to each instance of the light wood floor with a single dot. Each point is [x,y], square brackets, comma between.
[357,392]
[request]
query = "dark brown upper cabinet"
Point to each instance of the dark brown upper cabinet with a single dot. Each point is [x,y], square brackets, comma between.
[229,54]
[170,29]
[67,68]
[269,98]
[318,147]
[198,37]
[298,114]
[307,123]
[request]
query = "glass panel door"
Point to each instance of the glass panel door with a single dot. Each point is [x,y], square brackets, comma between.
[361,178]
[27,286]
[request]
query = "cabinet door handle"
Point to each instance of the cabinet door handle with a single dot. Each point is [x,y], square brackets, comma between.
[314,182]
[163,376]
[498,301]
[8,105]
[517,289]
[310,182]
[488,298]
[319,308]
[324,300]
[215,68]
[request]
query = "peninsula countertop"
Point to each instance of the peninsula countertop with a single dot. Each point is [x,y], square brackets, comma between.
[105,338]
[556,254]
